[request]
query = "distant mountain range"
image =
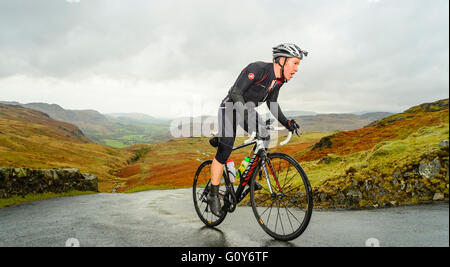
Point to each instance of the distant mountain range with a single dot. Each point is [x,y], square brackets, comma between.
[126,129]
[338,122]
[296,113]
[134,118]
[118,130]
[17,117]
[308,123]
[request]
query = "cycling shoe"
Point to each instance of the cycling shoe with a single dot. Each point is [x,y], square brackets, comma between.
[214,202]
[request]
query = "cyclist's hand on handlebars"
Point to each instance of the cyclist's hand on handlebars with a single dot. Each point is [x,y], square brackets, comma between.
[293,126]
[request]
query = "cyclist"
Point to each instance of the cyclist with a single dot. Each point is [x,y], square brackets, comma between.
[258,82]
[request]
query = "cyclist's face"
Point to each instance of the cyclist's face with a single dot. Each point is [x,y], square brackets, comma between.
[291,67]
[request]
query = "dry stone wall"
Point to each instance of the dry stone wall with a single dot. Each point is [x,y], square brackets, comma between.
[23,181]
[424,181]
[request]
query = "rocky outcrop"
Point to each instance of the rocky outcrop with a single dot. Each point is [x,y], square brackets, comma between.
[430,169]
[325,142]
[422,181]
[23,181]
[430,107]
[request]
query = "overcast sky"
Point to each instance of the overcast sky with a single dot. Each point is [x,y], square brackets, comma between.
[174,58]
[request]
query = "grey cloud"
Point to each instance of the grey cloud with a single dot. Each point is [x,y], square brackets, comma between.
[56,38]
[387,54]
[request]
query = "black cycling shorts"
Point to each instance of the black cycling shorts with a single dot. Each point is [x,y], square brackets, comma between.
[228,121]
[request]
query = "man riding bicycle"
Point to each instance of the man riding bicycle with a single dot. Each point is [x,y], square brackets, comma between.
[258,82]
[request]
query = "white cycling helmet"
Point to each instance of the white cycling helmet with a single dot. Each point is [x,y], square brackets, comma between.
[288,50]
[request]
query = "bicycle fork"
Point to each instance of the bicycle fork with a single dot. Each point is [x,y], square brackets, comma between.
[269,184]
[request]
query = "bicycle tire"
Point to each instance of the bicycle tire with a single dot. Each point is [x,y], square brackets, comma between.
[296,199]
[200,191]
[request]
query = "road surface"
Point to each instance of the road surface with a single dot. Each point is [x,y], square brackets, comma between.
[167,218]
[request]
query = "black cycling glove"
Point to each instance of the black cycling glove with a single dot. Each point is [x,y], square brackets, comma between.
[292,126]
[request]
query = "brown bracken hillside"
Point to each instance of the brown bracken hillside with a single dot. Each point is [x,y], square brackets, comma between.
[29,138]
[397,126]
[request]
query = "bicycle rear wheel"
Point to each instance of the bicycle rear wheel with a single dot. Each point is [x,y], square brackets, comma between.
[285,213]
[200,190]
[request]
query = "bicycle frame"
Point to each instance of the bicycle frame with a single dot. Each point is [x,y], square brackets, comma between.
[259,157]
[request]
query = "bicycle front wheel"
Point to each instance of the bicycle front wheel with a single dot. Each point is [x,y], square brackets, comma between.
[283,207]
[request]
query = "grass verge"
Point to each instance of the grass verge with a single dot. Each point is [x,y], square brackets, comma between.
[6,202]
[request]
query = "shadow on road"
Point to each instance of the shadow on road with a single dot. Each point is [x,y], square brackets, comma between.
[212,237]
[276,243]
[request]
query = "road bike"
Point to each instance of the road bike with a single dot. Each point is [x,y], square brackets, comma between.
[282,207]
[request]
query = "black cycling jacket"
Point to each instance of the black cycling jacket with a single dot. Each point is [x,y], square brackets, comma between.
[252,86]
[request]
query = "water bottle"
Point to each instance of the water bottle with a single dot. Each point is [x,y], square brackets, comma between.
[231,171]
[243,166]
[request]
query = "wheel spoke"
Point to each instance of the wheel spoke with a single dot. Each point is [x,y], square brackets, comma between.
[287,209]
[278,215]
[287,192]
[265,210]
[287,214]
[265,199]
[270,212]
[289,180]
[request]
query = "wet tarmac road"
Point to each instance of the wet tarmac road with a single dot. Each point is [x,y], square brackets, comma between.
[167,218]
